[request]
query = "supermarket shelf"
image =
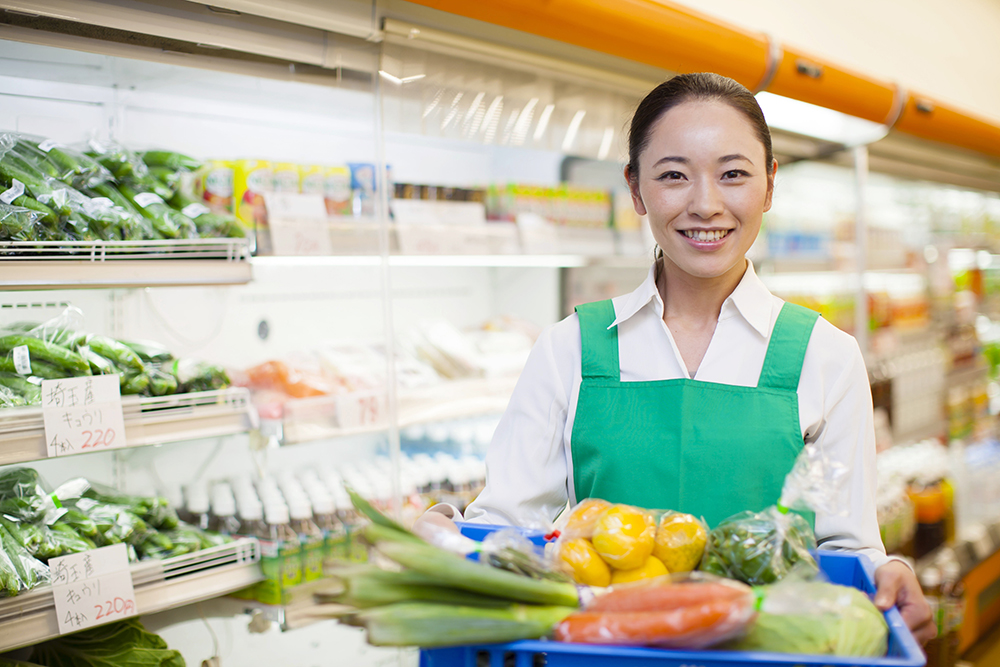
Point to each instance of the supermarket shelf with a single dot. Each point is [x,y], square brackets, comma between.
[148,421]
[513,261]
[325,417]
[28,265]
[30,618]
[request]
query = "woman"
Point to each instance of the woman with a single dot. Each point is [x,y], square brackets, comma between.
[696,391]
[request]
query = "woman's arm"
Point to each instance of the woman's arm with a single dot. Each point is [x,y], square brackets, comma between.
[846,433]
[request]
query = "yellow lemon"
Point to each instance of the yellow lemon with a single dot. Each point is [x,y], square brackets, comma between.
[624,536]
[584,563]
[651,568]
[680,541]
[581,520]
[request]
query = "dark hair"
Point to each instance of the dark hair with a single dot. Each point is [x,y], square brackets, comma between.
[687,87]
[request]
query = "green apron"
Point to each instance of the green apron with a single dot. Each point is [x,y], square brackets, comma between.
[706,449]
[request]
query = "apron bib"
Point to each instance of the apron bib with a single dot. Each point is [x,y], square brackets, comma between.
[702,448]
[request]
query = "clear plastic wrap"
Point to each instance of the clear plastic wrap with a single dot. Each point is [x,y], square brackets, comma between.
[17,223]
[119,160]
[19,570]
[689,611]
[600,543]
[816,618]
[61,162]
[506,549]
[764,547]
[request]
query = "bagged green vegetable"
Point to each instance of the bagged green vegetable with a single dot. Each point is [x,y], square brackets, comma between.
[199,376]
[170,160]
[22,498]
[126,643]
[66,164]
[19,570]
[760,548]
[17,223]
[817,618]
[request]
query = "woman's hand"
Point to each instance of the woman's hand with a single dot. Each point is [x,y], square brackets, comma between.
[896,584]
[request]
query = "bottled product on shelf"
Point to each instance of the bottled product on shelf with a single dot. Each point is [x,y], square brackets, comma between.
[930,582]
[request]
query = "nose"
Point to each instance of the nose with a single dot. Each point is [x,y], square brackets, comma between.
[706,200]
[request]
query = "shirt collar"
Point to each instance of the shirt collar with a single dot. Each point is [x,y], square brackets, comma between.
[751,299]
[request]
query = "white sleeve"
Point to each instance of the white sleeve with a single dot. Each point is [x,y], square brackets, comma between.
[526,468]
[847,436]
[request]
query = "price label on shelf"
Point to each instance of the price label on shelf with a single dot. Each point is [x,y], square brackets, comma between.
[359,411]
[298,224]
[92,588]
[82,414]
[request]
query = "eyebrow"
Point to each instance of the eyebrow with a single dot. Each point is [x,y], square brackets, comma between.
[734,156]
[684,160]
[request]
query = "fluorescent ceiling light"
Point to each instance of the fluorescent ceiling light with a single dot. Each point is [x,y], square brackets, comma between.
[574,127]
[396,80]
[609,135]
[784,113]
[543,121]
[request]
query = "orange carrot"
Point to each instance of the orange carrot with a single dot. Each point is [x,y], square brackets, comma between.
[694,626]
[660,594]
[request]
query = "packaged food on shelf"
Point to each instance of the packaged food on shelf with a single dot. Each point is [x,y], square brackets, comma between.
[924,471]
[337,191]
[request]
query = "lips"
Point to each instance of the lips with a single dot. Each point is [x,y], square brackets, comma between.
[706,235]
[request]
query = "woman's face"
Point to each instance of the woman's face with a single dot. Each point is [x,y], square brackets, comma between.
[704,184]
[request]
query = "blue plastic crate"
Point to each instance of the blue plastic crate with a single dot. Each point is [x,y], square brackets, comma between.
[840,568]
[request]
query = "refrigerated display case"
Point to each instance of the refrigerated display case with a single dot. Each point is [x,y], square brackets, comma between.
[313,86]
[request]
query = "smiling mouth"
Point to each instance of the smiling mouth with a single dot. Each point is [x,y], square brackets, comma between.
[702,235]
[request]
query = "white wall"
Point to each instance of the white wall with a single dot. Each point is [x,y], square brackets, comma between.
[947,50]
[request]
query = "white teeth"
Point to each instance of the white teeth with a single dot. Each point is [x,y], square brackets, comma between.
[701,235]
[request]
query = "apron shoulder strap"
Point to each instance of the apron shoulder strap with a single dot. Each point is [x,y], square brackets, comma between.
[787,349]
[600,344]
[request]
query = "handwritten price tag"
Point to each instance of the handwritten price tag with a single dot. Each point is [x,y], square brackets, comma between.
[82,414]
[92,588]
[298,224]
[354,411]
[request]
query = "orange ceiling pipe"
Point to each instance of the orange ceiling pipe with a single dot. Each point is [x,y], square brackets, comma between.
[667,35]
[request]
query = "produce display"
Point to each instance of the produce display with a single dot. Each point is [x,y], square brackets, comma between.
[123,643]
[31,352]
[36,525]
[104,191]
[602,544]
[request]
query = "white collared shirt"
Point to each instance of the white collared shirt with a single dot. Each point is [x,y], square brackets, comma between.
[529,463]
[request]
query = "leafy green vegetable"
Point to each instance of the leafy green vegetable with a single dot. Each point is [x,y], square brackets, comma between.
[818,619]
[760,548]
[123,644]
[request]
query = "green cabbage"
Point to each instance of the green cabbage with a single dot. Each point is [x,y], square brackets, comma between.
[816,618]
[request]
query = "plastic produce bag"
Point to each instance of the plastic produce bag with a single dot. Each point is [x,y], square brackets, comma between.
[17,223]
[119,160]
[600,543]
[61,162]
[506,549]
[22,498]
[198,376]
[813,617]
[687,611]
[19,570]
[763,547]
[30,352]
